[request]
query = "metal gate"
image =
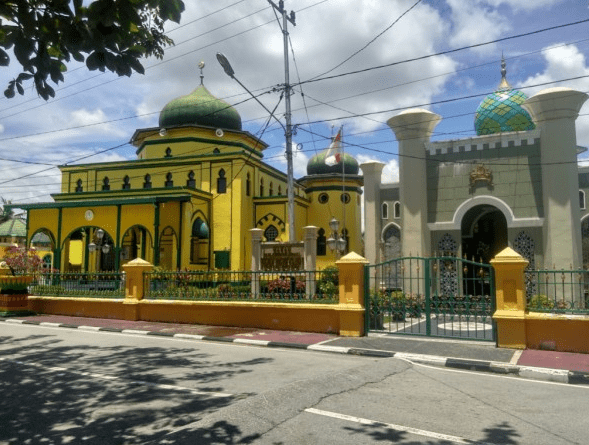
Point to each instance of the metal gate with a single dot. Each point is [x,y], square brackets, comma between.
[437,297]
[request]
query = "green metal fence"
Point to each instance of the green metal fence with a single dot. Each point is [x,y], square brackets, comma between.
[89,285]
[558,291]
[441,297]
[294,286]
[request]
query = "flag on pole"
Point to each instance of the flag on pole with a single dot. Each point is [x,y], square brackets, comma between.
[334,152]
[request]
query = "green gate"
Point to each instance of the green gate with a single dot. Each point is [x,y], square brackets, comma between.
[437,297]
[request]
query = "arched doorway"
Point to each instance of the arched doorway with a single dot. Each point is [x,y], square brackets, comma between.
[484,233]
[168,249]
[136,243]
[88,249]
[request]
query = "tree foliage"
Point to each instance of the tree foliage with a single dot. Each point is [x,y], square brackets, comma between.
[105,34]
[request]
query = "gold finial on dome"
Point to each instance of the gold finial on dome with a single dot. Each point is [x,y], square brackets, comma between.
[201,65]
[504,84]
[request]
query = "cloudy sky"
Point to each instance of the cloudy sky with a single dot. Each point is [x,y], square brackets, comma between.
[353,63]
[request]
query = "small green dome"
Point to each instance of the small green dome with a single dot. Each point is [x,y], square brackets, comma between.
[317,165]
[502,110]
[200,108]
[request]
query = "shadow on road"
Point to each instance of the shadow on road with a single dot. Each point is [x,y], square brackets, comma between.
[111,394]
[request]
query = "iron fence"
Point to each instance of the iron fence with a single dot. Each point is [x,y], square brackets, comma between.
[90,285]
[559,291]
[295,286]
[439,296]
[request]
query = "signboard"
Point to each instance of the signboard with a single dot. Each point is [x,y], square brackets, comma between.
[282,256]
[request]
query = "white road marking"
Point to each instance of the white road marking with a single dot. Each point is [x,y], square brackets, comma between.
[251,341]
[407,429]
[325,348]
[46,323]
[12,320]
[60,369]
[134,331]
[89,328]
[189,336]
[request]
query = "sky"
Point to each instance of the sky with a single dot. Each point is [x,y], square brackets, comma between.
[352,63]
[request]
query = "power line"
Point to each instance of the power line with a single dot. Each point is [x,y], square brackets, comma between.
[450,51]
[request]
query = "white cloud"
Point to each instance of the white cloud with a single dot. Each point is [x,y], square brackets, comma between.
[475,22]
[562,63]
[390,172]
[299,160]
[519,5]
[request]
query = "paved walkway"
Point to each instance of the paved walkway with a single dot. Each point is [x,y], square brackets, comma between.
[482,356]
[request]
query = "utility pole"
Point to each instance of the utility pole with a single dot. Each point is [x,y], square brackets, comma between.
[288,132]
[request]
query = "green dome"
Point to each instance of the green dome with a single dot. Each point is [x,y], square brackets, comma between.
[502,110]
[200,108]
[317,165]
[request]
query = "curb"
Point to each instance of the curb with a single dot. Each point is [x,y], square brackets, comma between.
[528,372]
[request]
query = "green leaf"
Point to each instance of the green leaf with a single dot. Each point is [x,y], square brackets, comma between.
[20,89]
[78,57]
[54,52]
[4,59]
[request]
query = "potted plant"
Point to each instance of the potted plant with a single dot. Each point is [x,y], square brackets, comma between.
[16,273]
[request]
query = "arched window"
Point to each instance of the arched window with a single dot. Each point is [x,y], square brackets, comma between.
[168,152]
[261,186]
[221,182]
[169,182]
[105,183]
[216,151]
[199,243]
[271,189]
[385,210]
[126,183]
[279,190]
[79,187]
[271,233]
[397,210]
[581,199]
[321,243]
[147,182]
[191,182]
[248,185]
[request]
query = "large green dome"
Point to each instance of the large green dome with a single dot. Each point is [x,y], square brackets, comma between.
[317,165]
[200,108]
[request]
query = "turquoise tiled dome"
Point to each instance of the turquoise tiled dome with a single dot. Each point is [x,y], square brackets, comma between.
[502,110]
[200,108]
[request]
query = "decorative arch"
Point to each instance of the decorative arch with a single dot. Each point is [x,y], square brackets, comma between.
[271,233]
[397,210]
[168,248]
[524,245]
[46,232]
[384,211]
[480,200]
[321,242]
[76,255]
[199,239]
[137,242]
[271,218]
[391,241]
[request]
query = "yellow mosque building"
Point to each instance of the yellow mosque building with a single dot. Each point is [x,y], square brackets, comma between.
[198,186]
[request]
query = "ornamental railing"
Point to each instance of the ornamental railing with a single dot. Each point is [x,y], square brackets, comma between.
[292,287]
[88,285]
[559,291]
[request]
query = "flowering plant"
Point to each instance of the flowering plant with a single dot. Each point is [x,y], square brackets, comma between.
[21,260]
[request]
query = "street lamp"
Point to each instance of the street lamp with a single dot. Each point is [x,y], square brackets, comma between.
[100,243]
[224,62]
[336,242]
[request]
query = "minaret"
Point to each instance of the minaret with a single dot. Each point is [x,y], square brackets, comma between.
[413,129]
[555,110]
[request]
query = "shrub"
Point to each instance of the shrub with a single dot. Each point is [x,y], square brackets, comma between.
[540,302]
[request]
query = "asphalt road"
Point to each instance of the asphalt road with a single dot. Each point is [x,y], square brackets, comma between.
[61,386]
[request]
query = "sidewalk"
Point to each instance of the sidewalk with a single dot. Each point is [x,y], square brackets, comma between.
[470,355]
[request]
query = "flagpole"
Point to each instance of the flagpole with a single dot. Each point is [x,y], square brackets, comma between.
[343,187]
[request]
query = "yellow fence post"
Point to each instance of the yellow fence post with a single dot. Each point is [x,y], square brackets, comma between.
[351,294]
[511,299]
[134,286]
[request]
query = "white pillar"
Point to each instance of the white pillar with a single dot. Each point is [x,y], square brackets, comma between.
[413,129]
[554,111]
[372,172]
[256,260]
[310,259]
